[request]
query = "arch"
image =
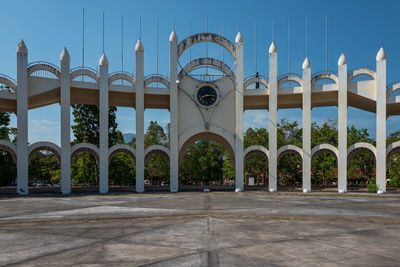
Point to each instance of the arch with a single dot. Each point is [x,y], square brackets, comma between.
[361,71]
[290,77]
[391,149]
[48,146]
[206,61]
[254,79]
[8,81]
[361,147]
[255,149]
[85,147]
[115,76]
[324,148]
[393,88]
[45,66]
[206,37]
[210,135]
[84,72]
[289,149]
[121,148]
[324,75]
[10,148]
[156,149]
[156,78]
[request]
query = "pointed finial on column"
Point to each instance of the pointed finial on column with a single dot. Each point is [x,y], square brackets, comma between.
[103,60]
[173,37]
[139,46]
[21,48]
[306,64]
[342,60]
[272,48]
[239,38]
[381,54]
[65,55]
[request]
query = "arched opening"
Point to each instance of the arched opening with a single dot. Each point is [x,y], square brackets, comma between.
[290,168]
[44,172]
[324,170]
[256,169]
[156,168]
[393,162]
[8,170]
[361,168]
[121,171]
[84,170]
[206,160]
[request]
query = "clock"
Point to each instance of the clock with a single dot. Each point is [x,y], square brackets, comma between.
[206,96]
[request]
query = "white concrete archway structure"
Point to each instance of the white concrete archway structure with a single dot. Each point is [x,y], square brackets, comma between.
[41,83]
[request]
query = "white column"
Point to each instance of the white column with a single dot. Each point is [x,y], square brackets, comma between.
[139,117]
[65,102]
[381,121]
[103,107]
[306,126]
[272,117]
[342,125]
[22,119]
[239,114]
[173,109]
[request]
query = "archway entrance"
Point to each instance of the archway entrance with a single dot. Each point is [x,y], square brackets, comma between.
[206,160]
[8,170]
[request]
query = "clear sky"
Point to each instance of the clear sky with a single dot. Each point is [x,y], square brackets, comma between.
[357,28]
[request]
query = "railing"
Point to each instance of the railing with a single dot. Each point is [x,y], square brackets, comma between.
[255,76]
[84,68]
[362,67]
[323,72]
[289,74]
[45,73]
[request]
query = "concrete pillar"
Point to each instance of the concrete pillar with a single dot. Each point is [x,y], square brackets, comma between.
[272,117]
[65,102]
[104,109]
[239,114]
[306,126]
[22,119]
[381,121]
[139,116]
[342,124]
[173,109]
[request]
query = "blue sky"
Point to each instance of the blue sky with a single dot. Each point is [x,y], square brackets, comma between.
[357,28]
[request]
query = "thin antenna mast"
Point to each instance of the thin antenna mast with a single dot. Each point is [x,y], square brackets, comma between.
[306,36]
[103,32]
[140,28]
[255,47]
[206,42]
[157,46]
[83,37]
[190,48]
[289,48]
[326,41]
[122,46]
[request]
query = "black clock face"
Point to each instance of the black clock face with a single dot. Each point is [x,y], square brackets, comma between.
[207,96]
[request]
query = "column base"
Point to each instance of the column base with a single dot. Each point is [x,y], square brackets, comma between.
[381,192]
[238,190]
[174,190]
[342,191]
[306,190]
[273,190]
[65,192]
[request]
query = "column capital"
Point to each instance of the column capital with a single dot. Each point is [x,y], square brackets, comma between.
[342,60]
[21,48]
[64,56]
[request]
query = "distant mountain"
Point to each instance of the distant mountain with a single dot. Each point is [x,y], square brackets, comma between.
[128,137]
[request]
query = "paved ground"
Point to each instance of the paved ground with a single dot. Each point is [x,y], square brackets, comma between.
[196,229]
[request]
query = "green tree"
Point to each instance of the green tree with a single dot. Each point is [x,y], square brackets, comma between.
[8,168]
